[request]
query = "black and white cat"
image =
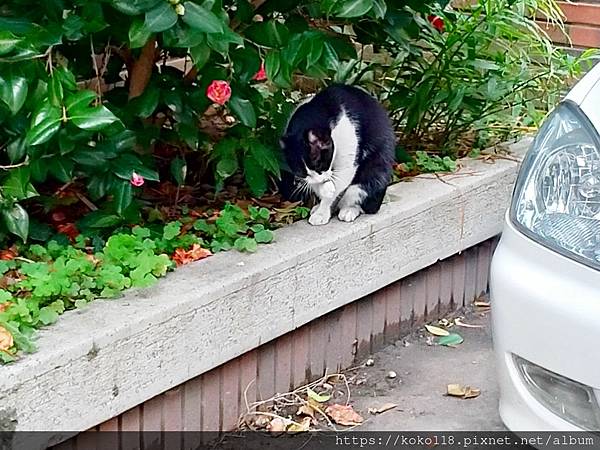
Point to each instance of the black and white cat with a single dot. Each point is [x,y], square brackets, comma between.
[340,145]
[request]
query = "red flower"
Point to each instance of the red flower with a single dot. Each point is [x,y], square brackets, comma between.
[136,179]
[437,22]
[219,92]
[261,75]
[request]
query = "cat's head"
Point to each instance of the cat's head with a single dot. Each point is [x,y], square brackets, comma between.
[310,154]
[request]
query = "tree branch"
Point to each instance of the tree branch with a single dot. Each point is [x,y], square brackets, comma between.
[142,68]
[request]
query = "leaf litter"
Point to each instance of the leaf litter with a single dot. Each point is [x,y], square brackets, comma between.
[325,403]
[318,405]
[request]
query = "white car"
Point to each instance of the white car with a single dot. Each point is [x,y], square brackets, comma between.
[545,275]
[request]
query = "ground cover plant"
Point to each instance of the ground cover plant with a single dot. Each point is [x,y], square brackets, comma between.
[137,135]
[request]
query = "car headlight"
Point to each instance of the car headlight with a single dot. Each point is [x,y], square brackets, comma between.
[557,196]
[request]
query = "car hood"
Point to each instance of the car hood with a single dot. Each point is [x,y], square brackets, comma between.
[586,94]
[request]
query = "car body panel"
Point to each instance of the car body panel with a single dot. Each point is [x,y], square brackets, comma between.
[545,309]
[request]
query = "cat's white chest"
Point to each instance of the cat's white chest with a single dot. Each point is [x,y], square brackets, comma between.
[345,141]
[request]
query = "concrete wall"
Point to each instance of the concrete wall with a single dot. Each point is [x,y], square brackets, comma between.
[341,339]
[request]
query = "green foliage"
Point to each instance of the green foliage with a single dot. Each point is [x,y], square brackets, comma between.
[66,113]
[426,163]
[491,68]
[54,278]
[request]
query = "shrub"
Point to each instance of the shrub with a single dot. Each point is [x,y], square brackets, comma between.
[486,67]
[104,94]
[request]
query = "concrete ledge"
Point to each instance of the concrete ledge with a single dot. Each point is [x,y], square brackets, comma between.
[113,355]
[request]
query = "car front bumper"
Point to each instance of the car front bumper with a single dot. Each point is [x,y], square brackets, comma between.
[546,310]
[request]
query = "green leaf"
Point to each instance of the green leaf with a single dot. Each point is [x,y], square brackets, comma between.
[61,169]
[269,34]
[245,244]
[126,7]
[16,150]
[145,104]
[200,55]
[201,18]
[5,296]
[451,340]
[171,230]
[272,64]
[220,42]
[244,110]
[55,91]
[17,221]
[316,50]
[123,195]
[264,236]
[8,41]
[45,124]
[179,170]
[379,8]
[99,219]
[13,92]
[48,315]
[92,118]
[160,18]
[319,398]
[18,186]
[227,167]
[265,157]
[354,8]
[138,34]
[80,99]
[80,303]
[255,176]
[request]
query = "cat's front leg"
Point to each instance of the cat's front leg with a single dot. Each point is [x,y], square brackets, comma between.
[321,213]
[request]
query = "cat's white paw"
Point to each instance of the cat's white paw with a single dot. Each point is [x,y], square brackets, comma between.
[319,216]
[349,214]
[327,190]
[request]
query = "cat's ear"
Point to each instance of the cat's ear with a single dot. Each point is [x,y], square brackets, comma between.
[319,141]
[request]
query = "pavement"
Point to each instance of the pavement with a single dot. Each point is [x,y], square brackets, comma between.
[423,372]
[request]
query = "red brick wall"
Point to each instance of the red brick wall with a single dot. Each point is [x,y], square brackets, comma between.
[582,25]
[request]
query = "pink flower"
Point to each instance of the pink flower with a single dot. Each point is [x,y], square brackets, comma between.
[437,22]
[137,180]
[261,75]
[219,91]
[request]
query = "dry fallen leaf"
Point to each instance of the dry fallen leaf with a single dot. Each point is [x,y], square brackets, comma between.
[460,323]
[182,256]
[344,415]
[261,421]
[436,331]
[6,339]
[9,253]
[482,304]
[300,427]
[383,408]
[458,390]
[277,425]
[472,392]
[306,410]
